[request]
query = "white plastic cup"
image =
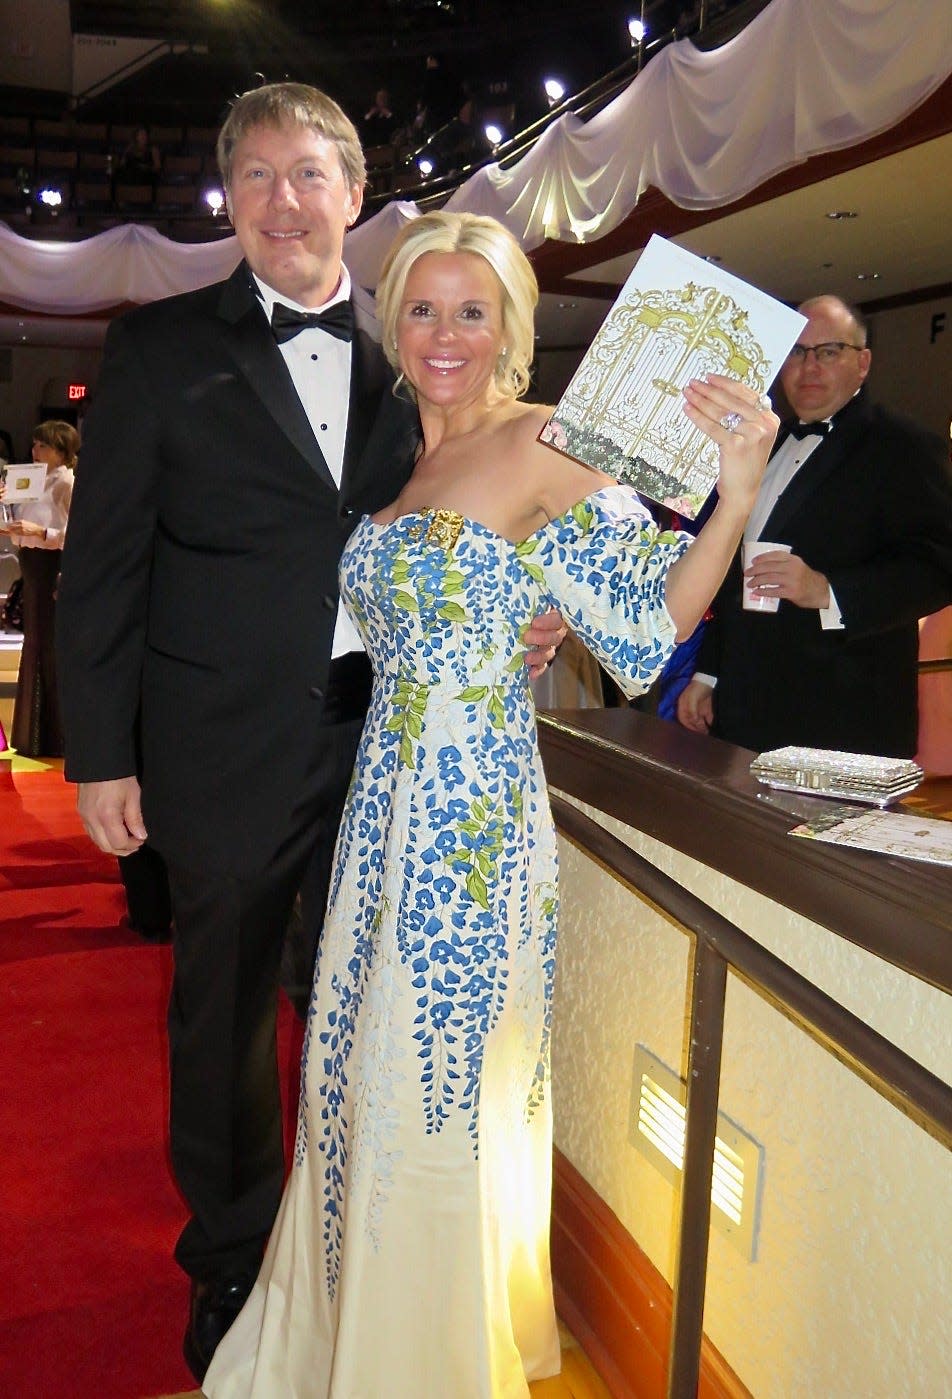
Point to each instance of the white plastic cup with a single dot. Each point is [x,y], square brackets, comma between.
[751,601]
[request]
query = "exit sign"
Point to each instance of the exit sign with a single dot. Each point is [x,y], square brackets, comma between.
[76,392]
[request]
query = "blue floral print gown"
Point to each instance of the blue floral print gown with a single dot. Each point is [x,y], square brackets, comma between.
[410,1257]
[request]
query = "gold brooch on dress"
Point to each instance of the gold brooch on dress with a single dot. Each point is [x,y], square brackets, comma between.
[442,528]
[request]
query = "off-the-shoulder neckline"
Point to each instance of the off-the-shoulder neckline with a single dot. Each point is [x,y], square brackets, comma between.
[481,528]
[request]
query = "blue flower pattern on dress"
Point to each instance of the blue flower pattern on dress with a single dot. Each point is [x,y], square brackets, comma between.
[441,928]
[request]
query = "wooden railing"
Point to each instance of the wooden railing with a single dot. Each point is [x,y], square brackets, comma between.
[721,947]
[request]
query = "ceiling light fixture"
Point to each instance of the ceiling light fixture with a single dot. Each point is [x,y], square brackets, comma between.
[842,214]
[867,276]
[554,90]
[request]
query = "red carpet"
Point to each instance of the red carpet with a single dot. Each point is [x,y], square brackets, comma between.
[91,1304]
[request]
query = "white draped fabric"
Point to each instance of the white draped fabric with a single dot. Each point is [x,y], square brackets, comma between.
[804,77]
[130,263]
[138,264]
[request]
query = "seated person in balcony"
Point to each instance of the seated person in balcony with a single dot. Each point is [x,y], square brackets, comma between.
[863,501]
[378,122]
[141,160]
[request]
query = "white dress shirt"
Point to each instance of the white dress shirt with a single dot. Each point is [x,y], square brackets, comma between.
[780,471]
[319,365]
[51,510]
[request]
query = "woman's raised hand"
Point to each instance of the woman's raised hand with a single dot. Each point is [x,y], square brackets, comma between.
[744,426]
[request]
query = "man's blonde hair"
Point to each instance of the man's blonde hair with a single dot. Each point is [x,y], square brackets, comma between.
[292,104]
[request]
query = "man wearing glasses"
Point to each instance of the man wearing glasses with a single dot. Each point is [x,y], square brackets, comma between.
[861,502]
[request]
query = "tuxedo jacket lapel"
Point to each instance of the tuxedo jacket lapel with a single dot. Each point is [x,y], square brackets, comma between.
[254,350]
[368,382]
[850,423]
[372,401]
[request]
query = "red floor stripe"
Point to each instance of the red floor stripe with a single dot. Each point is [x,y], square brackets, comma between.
[91,1304]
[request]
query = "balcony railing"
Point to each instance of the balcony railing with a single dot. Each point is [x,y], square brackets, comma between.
[574,763]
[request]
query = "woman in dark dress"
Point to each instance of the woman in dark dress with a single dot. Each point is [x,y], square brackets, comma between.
[141,159]
[38,529]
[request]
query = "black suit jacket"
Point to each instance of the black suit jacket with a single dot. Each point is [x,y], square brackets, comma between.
[871,508]
[199,588]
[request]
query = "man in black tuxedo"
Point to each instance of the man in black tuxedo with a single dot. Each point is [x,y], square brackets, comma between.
[863,499]
[225,462]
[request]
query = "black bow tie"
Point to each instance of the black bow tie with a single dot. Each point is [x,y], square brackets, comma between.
[801,430]
[337,320]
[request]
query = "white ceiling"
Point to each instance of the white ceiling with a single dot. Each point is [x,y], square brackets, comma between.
[903,232]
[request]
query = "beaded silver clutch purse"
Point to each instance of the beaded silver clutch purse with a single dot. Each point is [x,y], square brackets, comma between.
[825,772]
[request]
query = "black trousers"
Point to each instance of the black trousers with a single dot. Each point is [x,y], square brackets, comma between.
[146,882]
[37,730]
[226,1128]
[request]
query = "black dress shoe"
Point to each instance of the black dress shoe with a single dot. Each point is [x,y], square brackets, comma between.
[214,1306]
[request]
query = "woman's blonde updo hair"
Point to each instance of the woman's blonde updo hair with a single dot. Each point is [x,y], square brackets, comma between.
[442,232]
[62,437]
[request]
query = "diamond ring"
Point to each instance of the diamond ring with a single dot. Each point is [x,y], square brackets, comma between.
[763,404]
[731,421]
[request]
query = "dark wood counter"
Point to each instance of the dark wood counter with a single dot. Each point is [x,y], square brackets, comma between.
[696,795]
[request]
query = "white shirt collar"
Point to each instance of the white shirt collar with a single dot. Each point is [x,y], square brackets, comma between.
[269,296]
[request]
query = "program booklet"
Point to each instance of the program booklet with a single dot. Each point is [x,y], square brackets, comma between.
[909,836]
[24,481]
[677,318]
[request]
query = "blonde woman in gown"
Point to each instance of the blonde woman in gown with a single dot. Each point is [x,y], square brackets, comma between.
[410,1256]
